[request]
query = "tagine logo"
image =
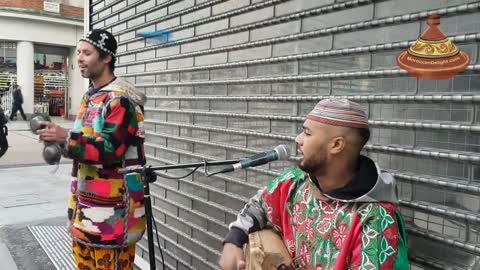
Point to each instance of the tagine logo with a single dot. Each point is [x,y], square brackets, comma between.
[433,56]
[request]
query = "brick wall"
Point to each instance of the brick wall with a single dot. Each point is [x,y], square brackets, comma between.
[30,4]
[70,11]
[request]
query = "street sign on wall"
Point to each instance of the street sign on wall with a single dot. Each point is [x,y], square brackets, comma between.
[51,6]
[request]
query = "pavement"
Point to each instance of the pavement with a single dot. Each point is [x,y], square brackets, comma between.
[24,147]
[33,198]
[31,193]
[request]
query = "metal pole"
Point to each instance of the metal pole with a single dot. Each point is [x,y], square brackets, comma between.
[149,217]
[149,176]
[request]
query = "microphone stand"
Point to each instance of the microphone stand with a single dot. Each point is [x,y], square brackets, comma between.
[149,176]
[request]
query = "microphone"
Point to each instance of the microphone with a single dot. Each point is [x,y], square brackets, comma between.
[278,153]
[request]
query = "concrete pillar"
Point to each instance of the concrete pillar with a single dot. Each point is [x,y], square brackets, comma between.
[25,76]
[77,85]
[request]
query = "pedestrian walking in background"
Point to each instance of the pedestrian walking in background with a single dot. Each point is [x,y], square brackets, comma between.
[17,103]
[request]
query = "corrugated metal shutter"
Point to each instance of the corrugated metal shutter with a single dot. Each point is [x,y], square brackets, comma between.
[237,77]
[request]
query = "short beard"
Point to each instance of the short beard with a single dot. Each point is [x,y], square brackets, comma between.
[85,75]
[89,74]
[314,169]
[316,165]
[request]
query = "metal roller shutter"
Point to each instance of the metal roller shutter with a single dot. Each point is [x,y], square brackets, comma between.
[237,77]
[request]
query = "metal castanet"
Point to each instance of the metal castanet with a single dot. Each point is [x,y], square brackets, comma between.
[52,152]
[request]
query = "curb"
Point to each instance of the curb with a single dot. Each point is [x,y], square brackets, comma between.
[13,166]
[6,258]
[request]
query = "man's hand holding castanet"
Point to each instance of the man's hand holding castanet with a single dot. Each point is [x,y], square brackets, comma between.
[52,132]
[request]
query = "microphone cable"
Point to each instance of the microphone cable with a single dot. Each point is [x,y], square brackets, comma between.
[179,177]
[153,219]
[205,165]
[158,242]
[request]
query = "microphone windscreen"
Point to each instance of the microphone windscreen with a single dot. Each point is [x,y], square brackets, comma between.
[282,152]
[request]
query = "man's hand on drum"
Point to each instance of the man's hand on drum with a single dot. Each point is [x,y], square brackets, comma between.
[232,258]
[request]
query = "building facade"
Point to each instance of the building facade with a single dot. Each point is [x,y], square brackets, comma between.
[37,52]
[236,77]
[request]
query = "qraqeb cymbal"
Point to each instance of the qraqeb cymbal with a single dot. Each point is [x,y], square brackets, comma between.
[35,121]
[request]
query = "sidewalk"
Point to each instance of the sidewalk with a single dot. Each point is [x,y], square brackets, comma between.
[20,125]
[33,196]
[24,147]
[30,194]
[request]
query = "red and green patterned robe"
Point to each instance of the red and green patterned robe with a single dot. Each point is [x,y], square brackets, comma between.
[321,232]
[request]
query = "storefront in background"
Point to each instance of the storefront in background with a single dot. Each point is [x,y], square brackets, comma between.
[8,72]
[50,80]
[8,64]
[50,77]
[37,39]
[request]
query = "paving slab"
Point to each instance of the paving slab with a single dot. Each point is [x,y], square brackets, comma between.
[33,193]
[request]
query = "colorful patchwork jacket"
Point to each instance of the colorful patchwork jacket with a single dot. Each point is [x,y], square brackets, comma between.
[105,207]
[355,227]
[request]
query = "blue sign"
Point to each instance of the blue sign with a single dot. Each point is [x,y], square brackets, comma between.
[157,36]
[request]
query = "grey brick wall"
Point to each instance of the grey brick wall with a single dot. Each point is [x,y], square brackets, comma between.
[203,105]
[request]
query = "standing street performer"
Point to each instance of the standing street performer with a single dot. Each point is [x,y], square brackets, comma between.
[337,210]
[106,212]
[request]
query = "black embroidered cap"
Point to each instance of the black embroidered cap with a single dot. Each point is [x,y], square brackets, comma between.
[102,39]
